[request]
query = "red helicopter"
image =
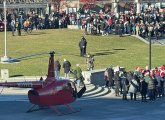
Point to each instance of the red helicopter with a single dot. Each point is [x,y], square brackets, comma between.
[50,92]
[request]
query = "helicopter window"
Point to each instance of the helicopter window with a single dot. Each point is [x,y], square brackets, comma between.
[57,88]
[67,86]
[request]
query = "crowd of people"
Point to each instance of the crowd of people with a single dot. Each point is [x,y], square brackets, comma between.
[149,23]
[77,72]
[149,83]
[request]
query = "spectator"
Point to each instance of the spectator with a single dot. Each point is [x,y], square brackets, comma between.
[26,25]
[158,82]
[121,26]
[125,84]
[78,75]
[151,89]
[82,45]
[13,26]
[146,74]
[143,89]
[111,77]
[19,28]
[106,77]
[133,89]
[117,83]
[90,62]
[57,67]
[67,67]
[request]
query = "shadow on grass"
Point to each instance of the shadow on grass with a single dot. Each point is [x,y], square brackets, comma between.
[39,33]
[119,49]
[108,52]
[32,33]
[103,53]
[100,53]
[95,53]
[16,75]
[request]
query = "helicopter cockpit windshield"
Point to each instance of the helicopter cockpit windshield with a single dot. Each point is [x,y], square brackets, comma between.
[71,86]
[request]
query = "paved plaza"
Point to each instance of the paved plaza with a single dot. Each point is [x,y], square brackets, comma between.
[98,103]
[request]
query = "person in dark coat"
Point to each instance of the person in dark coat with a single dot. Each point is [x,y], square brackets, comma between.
[19,28]
[151,88]
[82,45]
[120,30]
[125,84]
[111,77]
[143,89]
[106,77]
[117,82]
[67,67]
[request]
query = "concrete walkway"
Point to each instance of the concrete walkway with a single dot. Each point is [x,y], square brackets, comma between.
[153,40]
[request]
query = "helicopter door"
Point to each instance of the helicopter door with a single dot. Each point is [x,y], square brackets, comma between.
[73,87]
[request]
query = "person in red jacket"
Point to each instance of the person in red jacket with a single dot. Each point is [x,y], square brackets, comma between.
[110,22]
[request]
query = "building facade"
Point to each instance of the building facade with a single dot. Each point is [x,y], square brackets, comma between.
[47,6]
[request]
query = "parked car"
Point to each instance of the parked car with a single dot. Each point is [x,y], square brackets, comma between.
[2,26]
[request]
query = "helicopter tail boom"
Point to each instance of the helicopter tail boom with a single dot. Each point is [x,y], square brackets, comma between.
[32,84]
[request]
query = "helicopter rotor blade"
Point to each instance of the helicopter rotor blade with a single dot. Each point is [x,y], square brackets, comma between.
[37,54]
[31,55]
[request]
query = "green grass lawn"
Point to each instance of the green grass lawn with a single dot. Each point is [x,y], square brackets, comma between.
[127,51]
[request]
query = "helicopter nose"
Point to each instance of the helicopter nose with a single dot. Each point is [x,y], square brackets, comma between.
[33,92]
[33,97]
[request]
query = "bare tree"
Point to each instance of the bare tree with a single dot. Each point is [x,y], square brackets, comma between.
[88,3]
[59,4]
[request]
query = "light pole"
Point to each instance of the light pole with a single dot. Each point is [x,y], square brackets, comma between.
[78,4]
[78,16]
[150,51]
[116,7]
[137,6]
[5,59]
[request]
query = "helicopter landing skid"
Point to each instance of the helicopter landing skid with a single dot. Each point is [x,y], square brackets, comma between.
[59,113]
[36,108]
